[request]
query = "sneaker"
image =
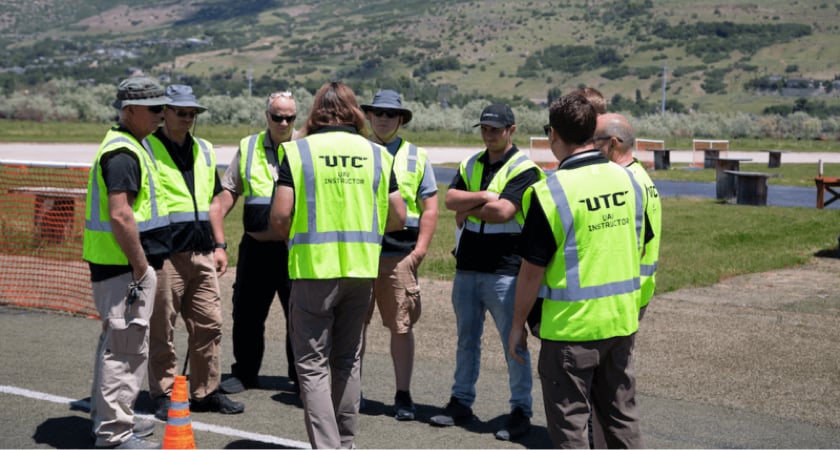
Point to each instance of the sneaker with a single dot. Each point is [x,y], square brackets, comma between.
[143,427]
[162,407]
[517,425]
[217,402]
[134,442]
[403,406]
[455,413]
[235,385]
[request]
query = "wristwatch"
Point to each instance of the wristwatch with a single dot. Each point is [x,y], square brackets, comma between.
[222,245]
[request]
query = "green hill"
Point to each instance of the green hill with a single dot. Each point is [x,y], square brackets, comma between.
[742,55]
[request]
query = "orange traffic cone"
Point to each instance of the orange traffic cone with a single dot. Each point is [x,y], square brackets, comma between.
[179,433]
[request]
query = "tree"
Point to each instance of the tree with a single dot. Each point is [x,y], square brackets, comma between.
[553,94]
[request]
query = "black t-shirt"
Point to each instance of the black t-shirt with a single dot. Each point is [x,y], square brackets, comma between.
[494,253]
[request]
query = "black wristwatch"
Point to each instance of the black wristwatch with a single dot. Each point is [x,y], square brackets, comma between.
[222,245]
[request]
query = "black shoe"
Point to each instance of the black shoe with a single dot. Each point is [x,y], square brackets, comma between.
[455,413]
[518,425]
[403,406]
[217,402]
[162,407]
[234,385]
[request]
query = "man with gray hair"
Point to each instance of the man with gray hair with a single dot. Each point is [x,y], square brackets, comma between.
[262,270]
[615,138]
[126,241]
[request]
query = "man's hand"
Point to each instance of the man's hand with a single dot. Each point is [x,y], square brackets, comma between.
[221,261]
[518,340]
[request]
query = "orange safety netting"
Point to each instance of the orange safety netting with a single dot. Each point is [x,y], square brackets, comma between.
[42,211]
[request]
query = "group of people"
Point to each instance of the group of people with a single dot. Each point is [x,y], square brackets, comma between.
[570,257]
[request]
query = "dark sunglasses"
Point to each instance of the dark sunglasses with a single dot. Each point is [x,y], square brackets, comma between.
[279,118]
[547,128]
[389,113]
[157,109]
[184,113]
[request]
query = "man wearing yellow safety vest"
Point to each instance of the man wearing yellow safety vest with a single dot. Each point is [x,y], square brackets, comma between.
[336,197]
[261,273]
[581,248]
[486,196]
[126,240]
[616,140]
[189,181]
[396,290]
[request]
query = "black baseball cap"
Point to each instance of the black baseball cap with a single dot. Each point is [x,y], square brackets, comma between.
[496,115]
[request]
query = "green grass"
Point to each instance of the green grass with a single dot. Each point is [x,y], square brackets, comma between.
[703,241]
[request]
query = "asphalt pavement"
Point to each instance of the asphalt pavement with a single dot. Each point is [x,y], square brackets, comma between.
[45,374]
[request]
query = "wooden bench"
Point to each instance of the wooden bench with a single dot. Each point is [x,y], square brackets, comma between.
[825,184]
[711,149]
[725,181]
[54,209]
[643,146]
[751,187]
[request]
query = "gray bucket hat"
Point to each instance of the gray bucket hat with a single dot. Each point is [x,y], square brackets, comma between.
[182,95]
[388,99]
[140,91]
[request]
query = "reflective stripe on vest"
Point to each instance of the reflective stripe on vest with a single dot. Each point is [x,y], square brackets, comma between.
[156,221]
[177,188]
[250,198]
[573,291]
[407,177]
[315,237]
[512,226]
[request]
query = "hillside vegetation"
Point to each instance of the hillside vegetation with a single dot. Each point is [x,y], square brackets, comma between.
[740,55]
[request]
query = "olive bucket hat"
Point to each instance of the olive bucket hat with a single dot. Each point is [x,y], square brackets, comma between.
[140,91]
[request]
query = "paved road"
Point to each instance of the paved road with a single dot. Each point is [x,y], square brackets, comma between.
[777,195]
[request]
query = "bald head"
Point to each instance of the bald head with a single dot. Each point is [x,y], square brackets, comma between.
[615,138]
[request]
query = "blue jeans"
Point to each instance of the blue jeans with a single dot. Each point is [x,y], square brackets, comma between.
[474,293]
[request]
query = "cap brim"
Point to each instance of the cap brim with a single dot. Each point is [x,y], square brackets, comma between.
[491,123]
[407,115]
[188,105]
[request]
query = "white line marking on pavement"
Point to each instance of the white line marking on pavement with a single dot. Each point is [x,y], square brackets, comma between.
[200,426]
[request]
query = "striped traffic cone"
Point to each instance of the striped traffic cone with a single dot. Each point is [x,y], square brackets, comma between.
[179,433]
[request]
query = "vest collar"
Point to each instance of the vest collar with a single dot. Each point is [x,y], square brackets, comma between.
[584,158]
[485,157]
